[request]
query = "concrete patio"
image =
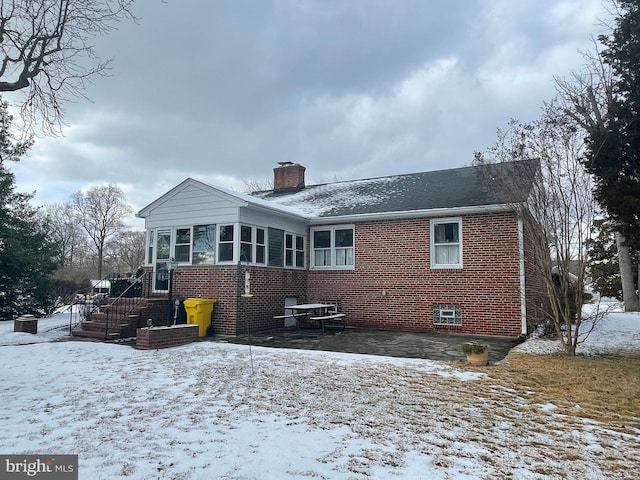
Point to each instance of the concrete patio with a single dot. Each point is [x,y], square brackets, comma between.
[433,346]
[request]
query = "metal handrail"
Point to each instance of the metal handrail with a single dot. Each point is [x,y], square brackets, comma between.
[135,301]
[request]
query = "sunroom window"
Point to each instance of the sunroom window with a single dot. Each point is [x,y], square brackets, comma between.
[183,245]
[246,244]
[204,244]
[150,245]
[260,246]
[294,250]
[252,244]
[225,243]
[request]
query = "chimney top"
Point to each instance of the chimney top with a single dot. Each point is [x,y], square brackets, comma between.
[288,177]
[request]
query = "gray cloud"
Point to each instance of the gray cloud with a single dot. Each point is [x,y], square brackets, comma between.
[223,90]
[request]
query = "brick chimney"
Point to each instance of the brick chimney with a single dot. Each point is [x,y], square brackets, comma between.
[288,176]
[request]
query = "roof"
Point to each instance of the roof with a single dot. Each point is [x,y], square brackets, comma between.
[240,198]
[436,190]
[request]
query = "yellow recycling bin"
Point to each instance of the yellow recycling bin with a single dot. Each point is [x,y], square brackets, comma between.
[199,313]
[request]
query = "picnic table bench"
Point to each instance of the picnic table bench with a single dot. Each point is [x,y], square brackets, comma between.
[337,318]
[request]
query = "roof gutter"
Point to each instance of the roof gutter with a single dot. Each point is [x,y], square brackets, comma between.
[401,215]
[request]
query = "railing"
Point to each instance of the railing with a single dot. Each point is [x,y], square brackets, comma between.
[130,291]
[123,305]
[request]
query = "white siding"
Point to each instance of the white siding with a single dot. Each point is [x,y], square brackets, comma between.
[193,206]
[264,219]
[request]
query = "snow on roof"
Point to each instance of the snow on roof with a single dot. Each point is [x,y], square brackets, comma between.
[293,210]
[443,189]
[320,200]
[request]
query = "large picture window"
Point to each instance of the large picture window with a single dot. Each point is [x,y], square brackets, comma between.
[446,243]
[333,248]
[204,244]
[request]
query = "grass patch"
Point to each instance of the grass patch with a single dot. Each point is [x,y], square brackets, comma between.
[604,387]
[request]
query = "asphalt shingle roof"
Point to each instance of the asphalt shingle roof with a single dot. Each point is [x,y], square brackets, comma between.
[459,187]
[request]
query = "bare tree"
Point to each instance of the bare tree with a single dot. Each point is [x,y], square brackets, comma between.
[126,251]
[252,185]
[559,219]
[45,50]
[100,211]
[67,234]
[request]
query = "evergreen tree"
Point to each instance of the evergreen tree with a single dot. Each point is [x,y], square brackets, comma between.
[614,147]
[604,266]
[26,254]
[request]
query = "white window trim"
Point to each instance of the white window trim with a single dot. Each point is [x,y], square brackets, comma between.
[174,242]
[235,243]
[150,247]
[264,245]
[332,248]
[254,244]
[294,251]
[432,246]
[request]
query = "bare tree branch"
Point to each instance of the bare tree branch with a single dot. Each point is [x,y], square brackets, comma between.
[558,220]
[45,51]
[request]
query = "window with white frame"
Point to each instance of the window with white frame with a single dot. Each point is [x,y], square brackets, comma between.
[252,244]
[294,250]
[212,243]
[182,249]
[447,315]
[260,246]
[446,243]
[246,244]
[204,244]
[150,244]
[333,247]
[225,243]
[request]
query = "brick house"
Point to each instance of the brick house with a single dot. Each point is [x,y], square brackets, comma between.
[418,252]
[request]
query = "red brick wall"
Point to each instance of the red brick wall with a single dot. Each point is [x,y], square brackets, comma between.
[394,287]
[234,314]
[165,337]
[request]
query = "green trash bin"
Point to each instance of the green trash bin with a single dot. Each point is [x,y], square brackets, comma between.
[199,313]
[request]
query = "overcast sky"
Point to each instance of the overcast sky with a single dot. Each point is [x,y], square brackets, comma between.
[223,90]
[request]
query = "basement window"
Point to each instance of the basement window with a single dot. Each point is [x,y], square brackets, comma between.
[447,315]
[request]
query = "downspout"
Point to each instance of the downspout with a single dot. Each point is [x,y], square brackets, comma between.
[523,295]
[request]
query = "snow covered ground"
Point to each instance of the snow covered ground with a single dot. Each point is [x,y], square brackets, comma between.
[220,411]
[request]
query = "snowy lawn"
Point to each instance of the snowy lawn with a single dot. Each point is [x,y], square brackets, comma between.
[220,411]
